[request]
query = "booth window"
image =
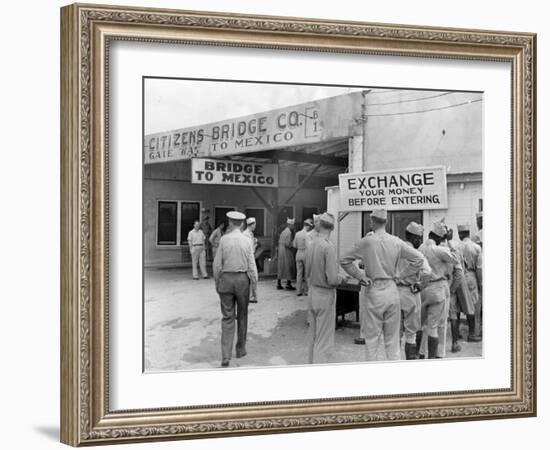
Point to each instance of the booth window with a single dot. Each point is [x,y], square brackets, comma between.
[189,212]
[397,222]
[259,215]
[167,223]
[220,215]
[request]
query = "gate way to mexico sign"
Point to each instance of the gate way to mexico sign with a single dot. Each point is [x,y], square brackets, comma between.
[306,123]
[422,188]
[237,173]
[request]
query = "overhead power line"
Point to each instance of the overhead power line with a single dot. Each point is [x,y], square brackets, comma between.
[411,99]
[426,110]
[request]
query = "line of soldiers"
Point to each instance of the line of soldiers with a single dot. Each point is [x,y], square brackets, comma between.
[418,284]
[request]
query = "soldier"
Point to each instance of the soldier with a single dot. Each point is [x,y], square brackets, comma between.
[249,233]
[435,296]
[478,238]
[215,238]
[207,230]
[314,233]
[234,270]
[409,284]
[300,244]
[196,240]
[322,271]
[285,262]
[472,255]
[461,300]
[380,252]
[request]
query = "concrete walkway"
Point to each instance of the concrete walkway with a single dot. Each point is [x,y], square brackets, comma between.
[182,326]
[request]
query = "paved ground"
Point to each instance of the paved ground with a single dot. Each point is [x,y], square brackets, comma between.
[182,326]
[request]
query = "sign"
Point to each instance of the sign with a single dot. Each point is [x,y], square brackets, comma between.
[236,173]
[424,188]
[311,122]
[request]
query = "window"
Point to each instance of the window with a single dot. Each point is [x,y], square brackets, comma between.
[167,223]
[285,212]
[397,222]
[189,212]
[220,215]
[259,215]
[308,211]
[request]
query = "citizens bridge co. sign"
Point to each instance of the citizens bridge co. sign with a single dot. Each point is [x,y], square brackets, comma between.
[402,189]
[306,123]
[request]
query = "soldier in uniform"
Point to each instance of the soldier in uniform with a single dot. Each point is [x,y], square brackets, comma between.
[285,263]
[409,284]
[249,233]
[436,295]
[196,240]
[234,270]
[300,244]
[215,238]
[322,272]
[472,254]
[478,238]
[380,253]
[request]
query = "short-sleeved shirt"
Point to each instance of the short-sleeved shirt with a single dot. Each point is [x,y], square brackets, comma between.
[380,252]
[439,258]
[407,275]
[196,237]
[300,240]
[321,264]
[234,254]
[250,235]
[471,253]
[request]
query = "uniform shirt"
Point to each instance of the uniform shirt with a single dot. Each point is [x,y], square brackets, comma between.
[311,236]
[215,237]
[380,252]
[250,235]
[300,240]
[439,258]
[471,253]
[235,255]
[407,275]
[196,237]
[321,264]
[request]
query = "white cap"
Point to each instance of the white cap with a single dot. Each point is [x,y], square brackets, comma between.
[235,215]
[250,220]
[327,218]
[381,214]
[439,229]
[415,228]
[290,221]
[463,227]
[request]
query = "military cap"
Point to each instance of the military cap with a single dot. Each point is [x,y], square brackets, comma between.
[316,217]
[308,222]
[327,219]
[235,215]
[463,227]
[250,220]
[479,214]
[439,229]
[290,221]
[415,228]
[381,214]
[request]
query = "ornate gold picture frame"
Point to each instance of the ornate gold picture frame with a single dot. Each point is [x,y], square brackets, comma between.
[86,34]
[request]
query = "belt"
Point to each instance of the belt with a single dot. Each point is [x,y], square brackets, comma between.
[198,245]
[439,279]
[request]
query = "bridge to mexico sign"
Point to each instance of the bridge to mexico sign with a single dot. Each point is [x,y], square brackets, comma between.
[311,122]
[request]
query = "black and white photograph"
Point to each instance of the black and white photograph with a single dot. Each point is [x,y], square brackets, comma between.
[295,224]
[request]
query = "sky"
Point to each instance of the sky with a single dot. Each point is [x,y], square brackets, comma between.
[172,104]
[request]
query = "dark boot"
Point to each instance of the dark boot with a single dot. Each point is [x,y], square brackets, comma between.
[279,285]
[418,344]
[433,342]
[472,329]
[410,351]
[289,286]
[454,333]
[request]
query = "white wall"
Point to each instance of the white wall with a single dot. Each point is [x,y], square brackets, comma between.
[29,229]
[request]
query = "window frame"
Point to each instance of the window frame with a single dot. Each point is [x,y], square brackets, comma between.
[177,245]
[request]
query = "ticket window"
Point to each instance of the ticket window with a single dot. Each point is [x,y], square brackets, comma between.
[397,222]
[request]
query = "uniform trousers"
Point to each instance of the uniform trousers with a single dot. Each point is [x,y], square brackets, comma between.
[198,260]
[301,281]
[233,289]
[321,318]
[461,300]
[382,321]
[410,308]
[471,280]
[435,309]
